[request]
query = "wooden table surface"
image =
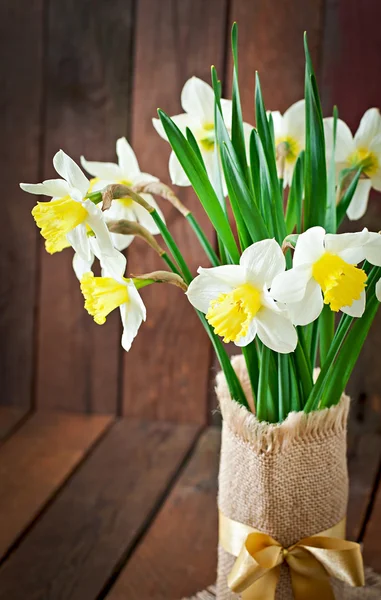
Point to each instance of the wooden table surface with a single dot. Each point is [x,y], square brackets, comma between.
[93,507]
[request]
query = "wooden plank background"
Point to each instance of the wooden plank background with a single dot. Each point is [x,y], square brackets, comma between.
[77,75]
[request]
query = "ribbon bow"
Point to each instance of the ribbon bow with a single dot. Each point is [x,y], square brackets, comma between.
[311,562]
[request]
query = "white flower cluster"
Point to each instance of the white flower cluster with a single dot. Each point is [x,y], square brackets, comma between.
[258,297]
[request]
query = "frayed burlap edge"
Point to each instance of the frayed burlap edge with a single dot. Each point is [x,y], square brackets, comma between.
[271,438]
[373,587]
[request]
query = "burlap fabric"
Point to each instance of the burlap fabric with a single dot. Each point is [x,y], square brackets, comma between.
[288,480]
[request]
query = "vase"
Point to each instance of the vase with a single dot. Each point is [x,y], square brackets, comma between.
[287,480]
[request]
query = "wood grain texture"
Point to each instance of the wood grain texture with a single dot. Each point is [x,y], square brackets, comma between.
[271,42]
[351,57]
[34,463]
[372,539]
[364,456]
[10,417]
[84,534]
[88,82]
[177,557]
[20,126]
[169,361]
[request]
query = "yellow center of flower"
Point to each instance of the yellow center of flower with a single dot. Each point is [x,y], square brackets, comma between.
[102,296]
[288,147]
[341,282]
[365,157]
[56,219]
[207,136]
[231,314]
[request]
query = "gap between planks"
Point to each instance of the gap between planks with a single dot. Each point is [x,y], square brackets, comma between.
[34,463]
[99,514]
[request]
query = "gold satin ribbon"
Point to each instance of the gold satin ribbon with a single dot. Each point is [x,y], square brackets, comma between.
[312,561]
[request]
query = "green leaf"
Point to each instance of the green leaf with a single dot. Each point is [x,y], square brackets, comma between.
[330,218]
[339,373]
[201,184]
[266,410]
[284,390]
[237,132]
[266,136]
[326,332]
[315,180]
[295,198]
[240,198]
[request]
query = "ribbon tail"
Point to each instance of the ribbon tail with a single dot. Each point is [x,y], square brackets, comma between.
[264,588]
[309,579]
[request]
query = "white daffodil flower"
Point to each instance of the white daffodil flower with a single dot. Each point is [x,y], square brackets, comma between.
[289,134]
[70,219]
[324,272]
[236,301]
[112,290]
[364,148]
[126,172]
[197,100]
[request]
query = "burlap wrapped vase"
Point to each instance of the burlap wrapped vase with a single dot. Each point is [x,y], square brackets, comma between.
[289,481]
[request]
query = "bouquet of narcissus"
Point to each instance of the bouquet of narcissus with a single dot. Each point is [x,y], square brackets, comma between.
[275,287]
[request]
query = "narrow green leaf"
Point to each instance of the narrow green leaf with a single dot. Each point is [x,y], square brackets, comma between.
[201,184]
[295,198]
[237,132]
[330,218]
[265,403]
[284,405]
[266,136]
[315,181]
[326,332]
[240,196]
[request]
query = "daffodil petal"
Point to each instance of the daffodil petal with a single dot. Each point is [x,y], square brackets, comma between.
[372,249]
[378,290]
[97,223]
[248,338]
[80,242]
[121,241]
[176,172]
[290,286]
[56,188]
[226,109]
[350,246]
[294,121]
[344,139]
[309,247]
[369,128]
[357,307]
[359,203]
[207,287]
[127,160]
[197,99]
[309,308]
[276,331]
[133,313]
[81,266]
[263,261]
[103,170]
[278,123]
[70,171]
[142,178]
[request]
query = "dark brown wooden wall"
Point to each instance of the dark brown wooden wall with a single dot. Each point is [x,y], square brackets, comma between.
[77,75]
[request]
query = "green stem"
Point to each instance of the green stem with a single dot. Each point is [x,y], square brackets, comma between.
[209,250]
[167,237]
[283,387]
[170,263]
[266,409]
[326,332]
[250,354]
[303,368]
[234,384]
